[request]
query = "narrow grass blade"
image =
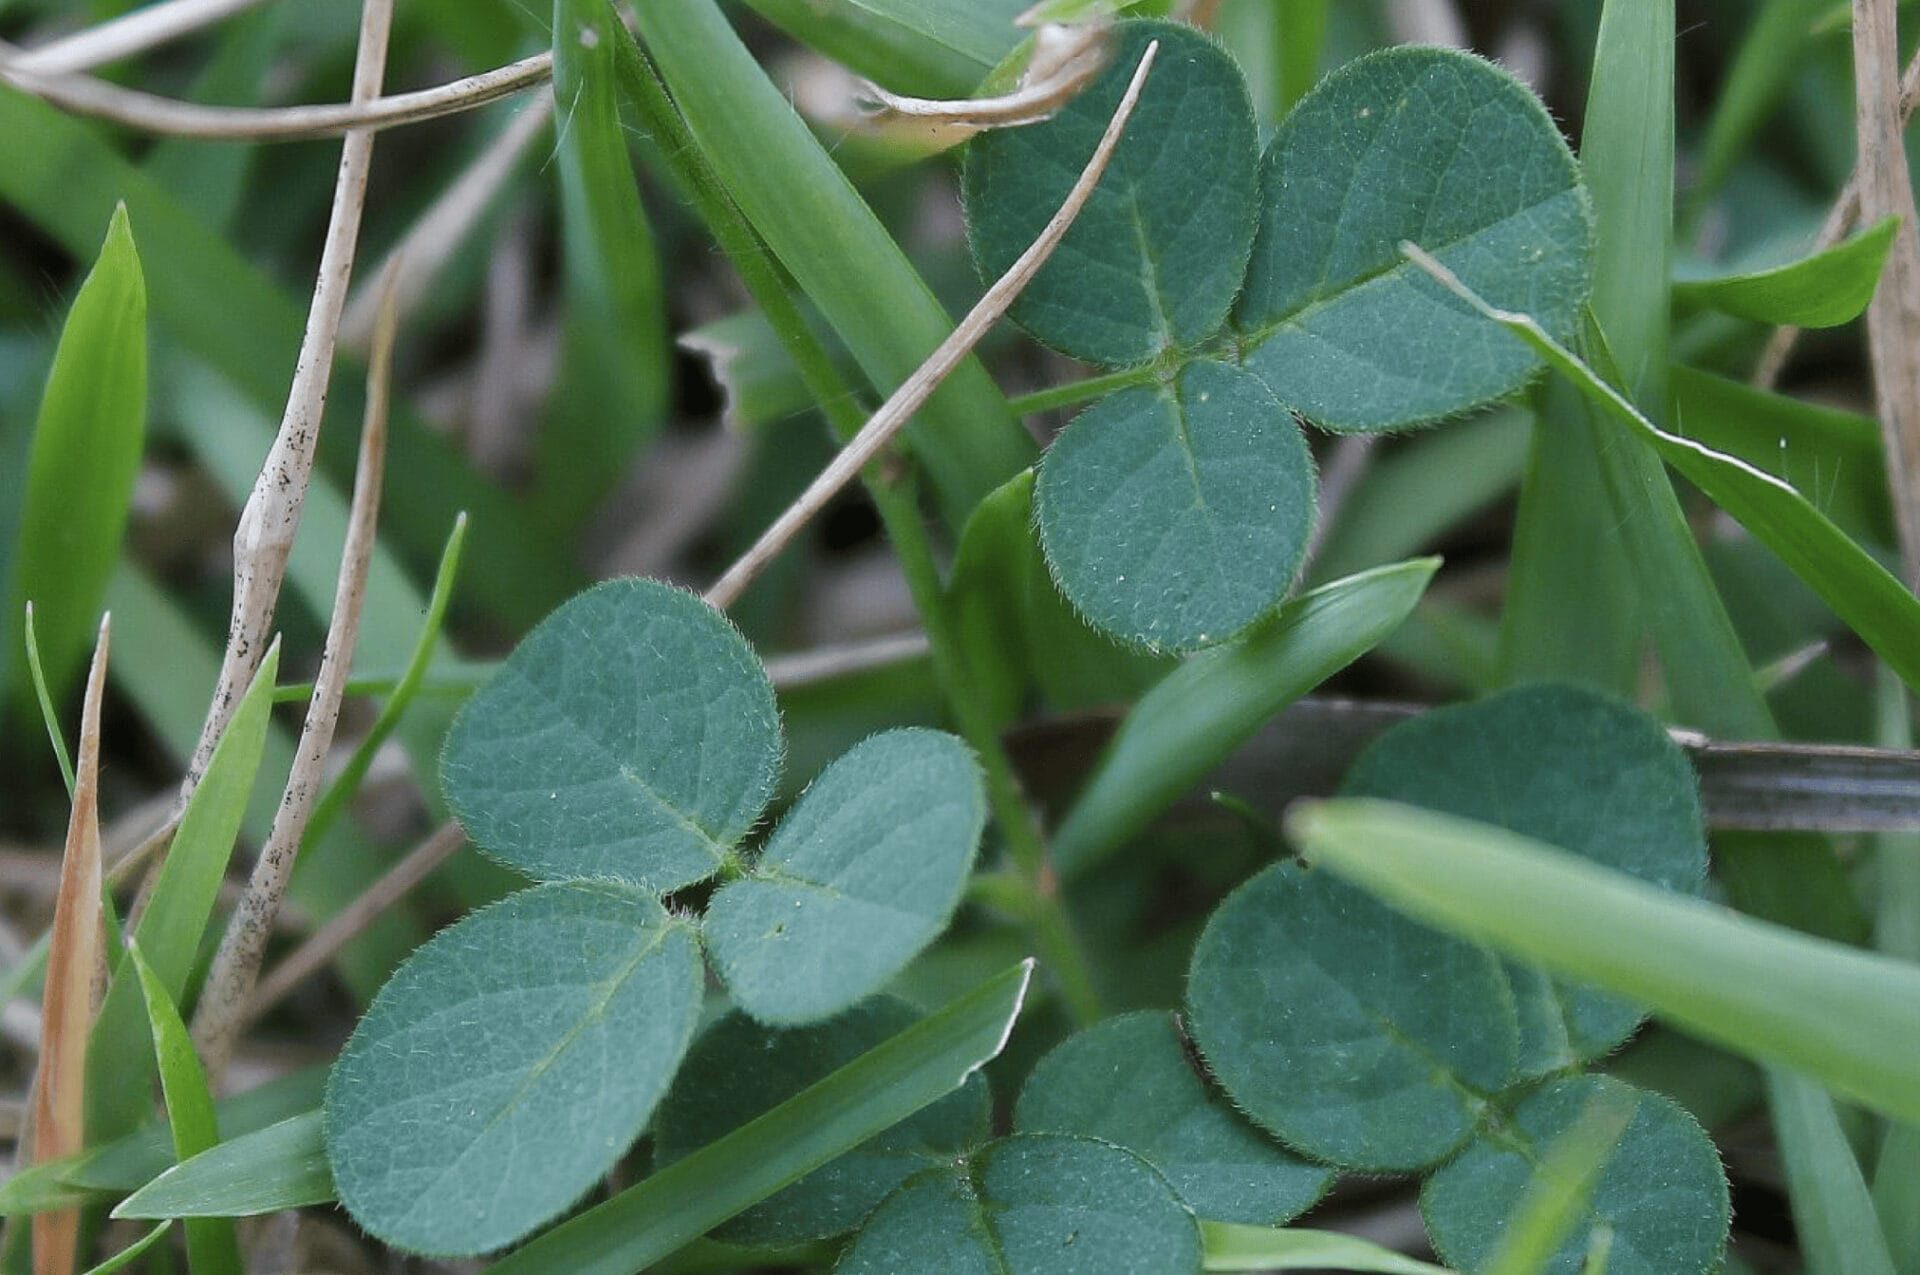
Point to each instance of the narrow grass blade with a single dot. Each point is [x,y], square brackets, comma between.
[120,1057]
[283,1166]
[212,1247]
[1300,34]
[86,452]
[1833,1011]
[1775,47]
[133,1252]
[1873,603]
[1832,1211]
[48,714]
[58,1098]
[902,56]
[1821,291]
[820,228]
[680,1203]
[1204,709]
[1562,1187]
[1233,1247]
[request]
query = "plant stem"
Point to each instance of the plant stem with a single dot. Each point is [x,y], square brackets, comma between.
[1076,392]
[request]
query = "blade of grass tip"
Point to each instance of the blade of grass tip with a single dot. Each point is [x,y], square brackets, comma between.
[212,1246]
[1563,1187]
[73,959]
[55,735]
[1833,1213]
[1839,1014]
[952,352]
[132,1252]
[236,965]
[347,783]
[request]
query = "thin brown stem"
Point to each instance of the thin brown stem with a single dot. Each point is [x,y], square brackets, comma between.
[131,33]
[352,921]
[894,414]
[236,966]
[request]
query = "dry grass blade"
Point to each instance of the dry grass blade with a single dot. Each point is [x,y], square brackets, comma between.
[1893,320]
[236,966]
[894,414]
[130,33]
[264,538]
[151,113]
[352,921]
[73,963]
[1065,60]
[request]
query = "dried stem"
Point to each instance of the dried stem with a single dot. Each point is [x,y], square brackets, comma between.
[264,538]
[894,414]
[352,921]
[364,114]
[236,966]
[73,963]
[1893,320]
[1065,60]
[130,33]
[1841,219]
[824,664]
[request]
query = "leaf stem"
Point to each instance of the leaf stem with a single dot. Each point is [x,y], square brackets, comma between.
[1074,393]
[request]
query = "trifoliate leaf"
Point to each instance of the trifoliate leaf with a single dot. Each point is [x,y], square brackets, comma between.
[1033,1204]
[739,1069]
[1356,1035]
[1175,516]
[1575,769]
[508,1064]
[1661,1191]
[631,736]
[1130,1081]
[860,875]
[1412,144]
[1154,260]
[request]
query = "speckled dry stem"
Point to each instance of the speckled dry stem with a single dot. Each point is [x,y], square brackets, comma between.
[1893,320]
[73,963]
[894,414]
[236,966]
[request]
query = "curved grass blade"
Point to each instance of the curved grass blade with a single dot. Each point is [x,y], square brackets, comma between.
[37,671]
[283,1166]
[680,1203]
[1821,291]
[1208,706]
[1837,1013]
[133,1252]
[1233,1247]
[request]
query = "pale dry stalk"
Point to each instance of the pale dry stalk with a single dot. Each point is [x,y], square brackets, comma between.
[894,414]
[1893,320]
[236,965]
[131,33]
[74,963]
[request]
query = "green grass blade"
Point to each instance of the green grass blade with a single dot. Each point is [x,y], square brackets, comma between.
[1835,1012]
[283,1166]
[212,1247]
[132,1252]
[680,1203]
[1832,1210]
[1775,48]
[1821,291]
[119,1056]
[614,387]
[1234,1247]
[85,455]
[44,696]
[1208,706]
[1562,1187]
[1300,36]
[905,57]
[840,255]
[981,31]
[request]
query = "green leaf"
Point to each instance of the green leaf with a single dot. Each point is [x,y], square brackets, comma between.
[738,1070]
[43,696]
[861,875]
[1837,1013]
[120,1058]
[129,1163]
[1231,1247]
[1821,291]
[1130,1081]
[631,735]
[1203,710]
[132,1252]
[614,385]
[1864,594]
[212,1247]
[1559,1192]
[1174,517]
[1572,768]
[1409,143]
[283,1166]
[1154,260]
[86,452]
[929,48]
[1356,1035]
[882,1087]
[1833,1213]
[1032,1204]
[508,1064]
[1660,1188]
